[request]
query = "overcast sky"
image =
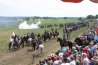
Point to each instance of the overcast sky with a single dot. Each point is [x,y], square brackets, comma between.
[54,8]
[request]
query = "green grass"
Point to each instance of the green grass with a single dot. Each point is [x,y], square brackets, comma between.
[44,22]
[53,21]
[6,33]
[49,21]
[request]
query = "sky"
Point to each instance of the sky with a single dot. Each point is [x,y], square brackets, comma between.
[51,8]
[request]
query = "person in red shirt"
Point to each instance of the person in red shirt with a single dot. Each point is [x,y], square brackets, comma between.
[86,51]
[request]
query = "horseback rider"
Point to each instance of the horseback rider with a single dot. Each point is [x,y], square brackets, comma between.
[30,39]
[27,37]
[53,33]
[39,40]
[24,37]
[16,39]
[64,40]
[46,33]
[56,32]
[66,32]
[33,36]
[12,38]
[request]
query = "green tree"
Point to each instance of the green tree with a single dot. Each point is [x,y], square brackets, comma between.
[27,18]
[65,17]
[90,17]
[80,18]
[96,16]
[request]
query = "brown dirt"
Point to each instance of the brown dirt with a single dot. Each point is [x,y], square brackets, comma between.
[24,55]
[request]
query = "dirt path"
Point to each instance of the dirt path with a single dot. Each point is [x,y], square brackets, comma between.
[24,56]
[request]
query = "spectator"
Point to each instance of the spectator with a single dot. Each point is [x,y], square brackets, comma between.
[72,61]
[65,62]
[85,59]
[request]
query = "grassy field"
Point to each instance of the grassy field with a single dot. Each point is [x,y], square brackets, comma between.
[5,33]
[23,56]
[45,22]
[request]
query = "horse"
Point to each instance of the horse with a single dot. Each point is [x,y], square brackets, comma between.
[67,43]
[54,34]
[29,41]
[14,42]
[13,45]
[39,41]
[78,41]
[22,41]
[46,37]
[61,42]
[41,48]
[82,41]
[70,44]
[32,42]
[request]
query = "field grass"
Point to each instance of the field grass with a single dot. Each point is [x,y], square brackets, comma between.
[46,22]
[6,33]
[23,56]
[49,21]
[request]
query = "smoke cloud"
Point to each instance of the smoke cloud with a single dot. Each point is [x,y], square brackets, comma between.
[24,25]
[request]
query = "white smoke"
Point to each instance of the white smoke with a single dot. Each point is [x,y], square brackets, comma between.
[24,25]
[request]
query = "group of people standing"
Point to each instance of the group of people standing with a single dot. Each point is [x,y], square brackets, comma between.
[79,54]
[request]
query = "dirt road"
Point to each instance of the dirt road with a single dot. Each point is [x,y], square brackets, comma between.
[24,55]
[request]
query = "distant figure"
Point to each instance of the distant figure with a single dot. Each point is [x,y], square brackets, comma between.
[33,36]
[39,40]
[64,40]
[85,60]
[12,38]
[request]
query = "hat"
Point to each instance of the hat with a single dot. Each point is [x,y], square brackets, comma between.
[61,54]
[87,47]
[95,58]
[74,48]
[84,54]
[52,55]
[75,51]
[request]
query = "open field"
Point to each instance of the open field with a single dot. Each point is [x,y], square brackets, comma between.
[44,22]
[54,21]
[6,33]
[24,55]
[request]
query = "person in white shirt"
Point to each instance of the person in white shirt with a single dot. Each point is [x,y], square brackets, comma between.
[61,55]
[57,62]
[72,61]
[85,59]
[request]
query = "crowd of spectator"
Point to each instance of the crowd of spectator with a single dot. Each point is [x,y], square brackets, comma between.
[87,55]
